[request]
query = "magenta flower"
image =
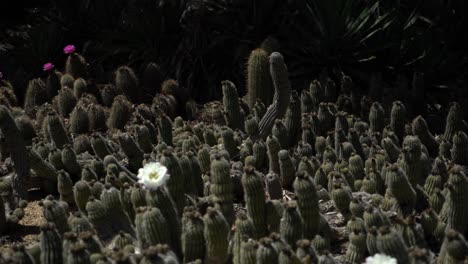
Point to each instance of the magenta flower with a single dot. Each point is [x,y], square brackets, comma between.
[48,66]
[69,49]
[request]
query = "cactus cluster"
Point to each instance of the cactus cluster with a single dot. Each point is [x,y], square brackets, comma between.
[272,178]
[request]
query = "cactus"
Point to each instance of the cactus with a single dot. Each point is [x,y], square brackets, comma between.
[273,148]
[376,117]
[111,199]
[292,119]
[307,202]
[50,245]
[244,229]
[421,130]
[18,152]
[65,187]
[234,114]
[391,243]
[413,161]
[454,211]
[254,197]
[127,82]
[221,186]
[161,199]
[229,144]
[120,113]
[165,130]
[454,249]
[97,215]
[70,162]
[454,121]
[56,213]
[79,122]
[266,253]
[193,243]
[259,83]
[291,227]
[398,119]
[356,250]
[96,117]
[216,234]
[154,227]
[287,168]
[132,151]
[401,188]
[460,148]
[36,94]
[277,109]
[175,184]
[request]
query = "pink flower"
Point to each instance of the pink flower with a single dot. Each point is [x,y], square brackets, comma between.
[69,49]
[48,66]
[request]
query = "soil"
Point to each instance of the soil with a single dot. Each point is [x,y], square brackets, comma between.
[27,231]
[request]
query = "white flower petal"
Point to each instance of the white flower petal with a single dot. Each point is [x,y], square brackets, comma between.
[380,259]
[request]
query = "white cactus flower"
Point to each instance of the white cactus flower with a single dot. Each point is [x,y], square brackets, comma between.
[153,175]
[380,259]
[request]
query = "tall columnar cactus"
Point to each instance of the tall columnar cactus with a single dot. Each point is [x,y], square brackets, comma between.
[50,245]
[193,241]
[120,113]
[234,114]
[325,118]
[391,244]
[414,161]
[254,197]
[53,84]
[66,101]
[460,148]
[259,83]
[279,75]
[398,119]
[65,187]
[165,129]
[291,227]
[216,233]
[454,249]
[307,104]
[455,209]
[400,187]
[155,227]
[70,162]
[221,186]
[244,229]
[175,184]
[16,146]
[36,94]
[80,87]
[132,151]
[307,202]
[420,129]
[112,201]
[56,213]
[273,148]
[79,121]
[454,121]
[56,130]
[292,119]
[287,168]
[376,117]
[96,117]
[159,198]
[266,252]
[127,82]
[229,143]
[356,250]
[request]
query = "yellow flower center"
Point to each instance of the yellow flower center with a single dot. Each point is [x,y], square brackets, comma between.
[153,175]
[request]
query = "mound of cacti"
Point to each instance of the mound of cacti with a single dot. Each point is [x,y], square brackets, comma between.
[128,180]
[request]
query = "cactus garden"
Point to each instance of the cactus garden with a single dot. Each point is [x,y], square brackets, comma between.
[273,165]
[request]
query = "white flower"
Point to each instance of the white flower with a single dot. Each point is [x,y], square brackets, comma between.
[380,259]
[153,175]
